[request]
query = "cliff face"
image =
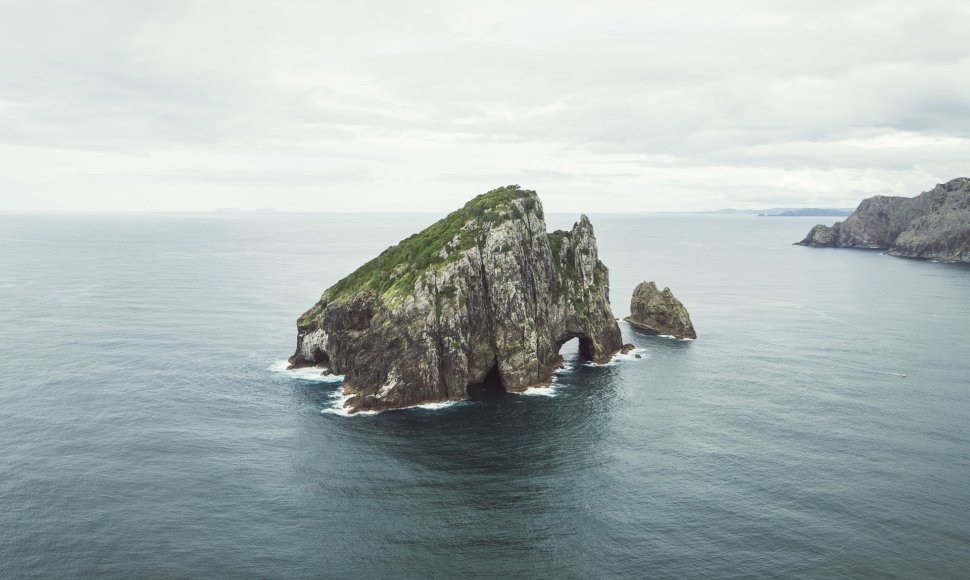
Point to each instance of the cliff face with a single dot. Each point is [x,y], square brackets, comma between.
[933,225]
[484,294]
[659,311]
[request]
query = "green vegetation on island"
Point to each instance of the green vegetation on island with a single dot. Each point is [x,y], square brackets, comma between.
[398,268]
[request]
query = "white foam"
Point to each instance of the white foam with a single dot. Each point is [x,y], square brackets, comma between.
[345,412]
[279,366]
[620,357]
[435,406]
[549,391]
[672,337]
[614,360]
[338,408]
[568,368]
[892,374]
[632,355]
[313,374]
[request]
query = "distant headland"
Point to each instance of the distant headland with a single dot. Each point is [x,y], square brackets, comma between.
[933,225]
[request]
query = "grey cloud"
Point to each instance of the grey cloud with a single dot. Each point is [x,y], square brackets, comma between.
[666,105]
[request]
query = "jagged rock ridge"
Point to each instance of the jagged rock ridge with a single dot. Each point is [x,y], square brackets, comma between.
[932,225]
[485,294]
[659,312]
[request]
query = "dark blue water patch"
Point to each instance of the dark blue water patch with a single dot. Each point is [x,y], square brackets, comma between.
[144,434]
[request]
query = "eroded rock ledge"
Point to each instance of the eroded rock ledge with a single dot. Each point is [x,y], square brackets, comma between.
[659,312]
[933,225]
[483,295]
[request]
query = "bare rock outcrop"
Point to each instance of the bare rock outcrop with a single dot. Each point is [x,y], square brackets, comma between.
[933,225]
[484,295]
[659,312]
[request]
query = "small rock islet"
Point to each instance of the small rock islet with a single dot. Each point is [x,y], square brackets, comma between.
[659,312]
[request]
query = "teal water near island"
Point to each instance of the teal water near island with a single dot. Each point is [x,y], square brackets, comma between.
[148,432]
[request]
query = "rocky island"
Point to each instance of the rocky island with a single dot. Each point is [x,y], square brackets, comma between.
[659,312]
[933,225]
[483,298]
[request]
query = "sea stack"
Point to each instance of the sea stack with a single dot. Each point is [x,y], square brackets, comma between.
[484,296]
[933,225]
[659,312]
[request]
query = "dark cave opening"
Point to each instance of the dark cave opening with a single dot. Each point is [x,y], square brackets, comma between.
[491,386]
[571,345]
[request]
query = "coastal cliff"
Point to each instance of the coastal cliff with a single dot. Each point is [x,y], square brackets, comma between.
[659,312]
[933,225]
[484,296]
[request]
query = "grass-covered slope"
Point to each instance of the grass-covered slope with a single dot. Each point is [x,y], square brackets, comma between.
[397,269]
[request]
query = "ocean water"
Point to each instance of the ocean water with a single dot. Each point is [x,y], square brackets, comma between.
[148,430]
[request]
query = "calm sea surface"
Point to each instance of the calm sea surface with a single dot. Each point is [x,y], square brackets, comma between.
[146,431]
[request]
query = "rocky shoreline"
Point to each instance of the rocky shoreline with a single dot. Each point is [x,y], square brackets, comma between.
[934,225]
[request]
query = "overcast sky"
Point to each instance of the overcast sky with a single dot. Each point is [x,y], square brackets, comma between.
[397,105]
